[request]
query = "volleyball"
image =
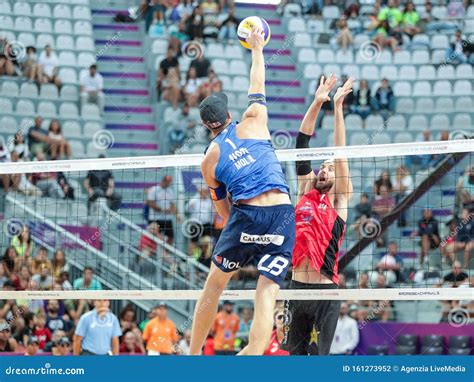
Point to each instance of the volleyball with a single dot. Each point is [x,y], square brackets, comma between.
[246,26]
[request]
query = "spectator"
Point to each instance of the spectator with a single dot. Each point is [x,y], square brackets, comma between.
[154,13]
[31,67]
[391,13]
[228,27]
[386,37]
[363,207]
[195,24]
[162,207]
[246,315]
[390,265]
[428,231]
[430,23]
[346,336]
[410,20]
[7,342]
[278,334]
[92,85]
[97,332]
[460,238]
[22,280]
[62,347]
[178,37]
[363,281]
[130,345]
[456,276]
[384,100]
[51,184]
[32,346]
[41,260]
[10,261]
[185,342]
[212,85]
[147,245]
[38,139]
[465,188]
[160,333]
[54,322]
[43,279]
[344,38]
[384,204]
[64,281]
[459,49]
[225,328]
[58,264]
[171,87]
[201,215]
[421,162]
[127,318]
[361,105]
[49,62]
[87,281]
[7,66]
[61,148]
[202,66]
[40,331]
[170,61]
[101,184]
[382,180]
[3,274]
[192,88]
[403,185]
[23,243]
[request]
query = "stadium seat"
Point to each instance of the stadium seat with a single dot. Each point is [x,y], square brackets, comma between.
[439,11]
[62,27]
[408,72]
[41,10]
[461,342]
[10,89]
[296,24]
[354,122]
[331,12]
[431,350]
[360,39]
[426,72]
[78,148]
[85,43]
[438,56]
[405,350]
[439,122]
[402,89]
[462,87]
[417,122]
[25,107]
[44,39]
[68,76]
[67,59]
[404,137]
[90,128]
[49,91]
[442,88]
[433,341]
[292,10]
[314,26]
[377,350]
[9,125]
[374,122]
[21,8]
[439,41]
[306,55]
[90,111]
[384,58]
[462,121]
[47,109]
[5,8]
[81,12]
[370,73]
[7,23]
[43,25]
[64,43]
[396,123]
[344,57]
[240,83]
[420,41]
[464,71]
[332,68]
[238,67]
[159,46]
[235,51]
[421,88]
[312,71]
[405,105]
[381,139]
[424,105]
[23,24]
[464,104]
[444,105]
[402,57]
[390,72]
[328,122]
[6,105]
[29,90]
[69,109]
[420,57]
[302,39]
[85,59]
[446,72]
[62,11]
[459,351]
[27,39]
[72,129]
[83,27]
[351,70]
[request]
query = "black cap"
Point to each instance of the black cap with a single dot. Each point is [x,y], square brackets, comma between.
[213,110]
[227,302]
[64,341]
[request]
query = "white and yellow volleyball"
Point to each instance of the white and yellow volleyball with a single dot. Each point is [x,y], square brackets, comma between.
[246,26]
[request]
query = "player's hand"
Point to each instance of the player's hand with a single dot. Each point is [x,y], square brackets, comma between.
[343,91]
[256,40]
[325,87]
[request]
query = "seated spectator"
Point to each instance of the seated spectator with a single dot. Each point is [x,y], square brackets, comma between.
[212,85]
[363,281]
[459,50]
[362,97]
[420,162]
[202,250]
[403,185]
[43,279]
[10,261]
[390,265]
[410,20]
[54,320]
[195,24]
[22,280]
[32,346]
[58,264]
[7,343]
[4,277]
[246,315]
[31,67]
[456,276]
[385,36]
[384,100]
[38,139]
[178,37]
[170,61]
[41,331]
[428,231]
[383,204]
[154,13]
[278,333]
[147,245]
[382,180]
[19,145]
[430,23]
[91,87]
[192,88]
[40,260]
[130,345]
[344,38]
[185,343]
[61,148]
[22,182]
[87,281]
[201,215]
[62,347]
[49,62]
[461,238]
[202,66]
[391,13]
[4,158]
[228,27]
[51,184]
[465,188]
[7,65]
[363,211]
[171,88]
[101,184]
[23,243]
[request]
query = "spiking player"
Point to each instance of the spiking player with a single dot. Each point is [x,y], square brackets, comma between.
[321,213]
[249,190]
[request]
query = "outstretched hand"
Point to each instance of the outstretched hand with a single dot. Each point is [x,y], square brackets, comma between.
[324,88]
[256,39]
[343,91]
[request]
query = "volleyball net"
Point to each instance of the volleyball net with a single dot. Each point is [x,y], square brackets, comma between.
[143,228]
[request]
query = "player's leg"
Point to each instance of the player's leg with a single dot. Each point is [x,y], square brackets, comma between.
[325,322]
[206,307]
[262,324]
[297,327]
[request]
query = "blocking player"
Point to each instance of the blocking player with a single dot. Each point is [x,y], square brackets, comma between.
[321,213]
[249,190]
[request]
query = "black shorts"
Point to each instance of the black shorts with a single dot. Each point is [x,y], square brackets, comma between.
[310,324]
[166,227]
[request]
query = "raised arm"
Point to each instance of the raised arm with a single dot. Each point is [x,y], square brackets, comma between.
[343,184]
[257,108]
[306,176]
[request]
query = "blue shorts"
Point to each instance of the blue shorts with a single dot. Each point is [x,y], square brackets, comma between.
[263,236]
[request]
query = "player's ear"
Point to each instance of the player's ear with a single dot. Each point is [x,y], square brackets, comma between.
[229,116]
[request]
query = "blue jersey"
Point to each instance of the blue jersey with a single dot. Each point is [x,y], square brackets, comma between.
[247,167]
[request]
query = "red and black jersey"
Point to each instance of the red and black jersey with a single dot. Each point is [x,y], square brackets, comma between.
[319,233]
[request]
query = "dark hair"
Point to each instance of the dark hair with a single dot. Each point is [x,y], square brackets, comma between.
[43,248]
[128,308]
[88,268]
[51,124]
[93,66]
